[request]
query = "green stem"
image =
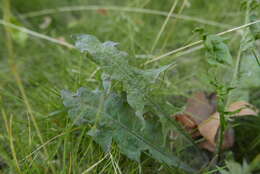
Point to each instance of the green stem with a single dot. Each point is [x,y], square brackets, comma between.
[233,82]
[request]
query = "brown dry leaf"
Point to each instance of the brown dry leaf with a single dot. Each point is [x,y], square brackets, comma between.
[186,120]
[227,143]
[244,107]
[189,124]
[209,128]
[199,107]
[201,113]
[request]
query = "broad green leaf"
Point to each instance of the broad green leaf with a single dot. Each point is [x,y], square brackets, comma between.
[115,121]
[83,113]
[136,82]
[102,137]
[128,144]
[217,51]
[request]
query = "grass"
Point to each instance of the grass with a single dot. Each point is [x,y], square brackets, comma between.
[36,135]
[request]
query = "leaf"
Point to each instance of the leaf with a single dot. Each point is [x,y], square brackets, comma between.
[186,120]
[102,137]
[83,104]
[217,51]
[200,113]
[115,121]
[242,108]
[129,144]
[200,106]
[209,128]
[136,82]
[152,74]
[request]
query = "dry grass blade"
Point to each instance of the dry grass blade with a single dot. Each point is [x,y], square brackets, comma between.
[189,46]
[35,34]
[96,164]
[164,25]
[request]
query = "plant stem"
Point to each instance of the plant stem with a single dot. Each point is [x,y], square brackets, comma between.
[223,121]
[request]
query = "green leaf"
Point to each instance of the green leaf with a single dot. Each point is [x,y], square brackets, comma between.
[128,144]
[84,114]
[116,122]
[136,82]
[217,51]
[102,137]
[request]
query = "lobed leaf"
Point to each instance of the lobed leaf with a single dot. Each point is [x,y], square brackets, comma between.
[115,121]
[114,63]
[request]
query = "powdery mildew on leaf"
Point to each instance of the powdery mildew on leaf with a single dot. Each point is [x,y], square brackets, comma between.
[113,62]
[115,120]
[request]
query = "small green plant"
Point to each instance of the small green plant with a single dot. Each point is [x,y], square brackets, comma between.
[121,109]
[245,70]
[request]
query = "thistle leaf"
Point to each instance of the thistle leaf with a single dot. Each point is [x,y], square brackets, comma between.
[102,137]
[115,121]
[113,62]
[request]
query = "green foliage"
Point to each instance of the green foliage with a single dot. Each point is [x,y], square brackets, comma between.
[115,120]
[217,51]
[45,68]
[114,63]
[112,112]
